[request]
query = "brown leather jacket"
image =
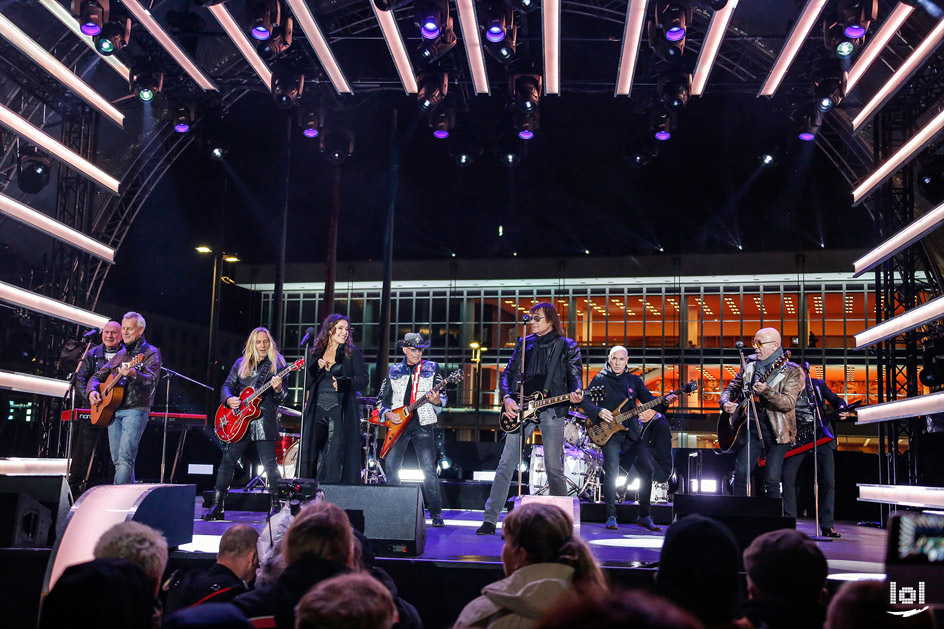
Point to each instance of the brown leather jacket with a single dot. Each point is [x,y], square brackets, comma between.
[780,399]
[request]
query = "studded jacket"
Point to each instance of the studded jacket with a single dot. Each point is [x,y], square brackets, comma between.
[393,390]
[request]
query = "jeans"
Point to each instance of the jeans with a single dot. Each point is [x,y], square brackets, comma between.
[772,469]
[552,436]
[827,485]
[124,435]
[425,445]
[637,454]
[323,436]
[231,454]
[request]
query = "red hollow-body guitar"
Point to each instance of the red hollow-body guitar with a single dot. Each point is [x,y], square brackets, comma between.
[405,413]
[231,424]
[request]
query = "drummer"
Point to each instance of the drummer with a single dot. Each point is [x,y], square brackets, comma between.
[619,385]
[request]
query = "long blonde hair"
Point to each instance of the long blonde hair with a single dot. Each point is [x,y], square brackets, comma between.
[249,354]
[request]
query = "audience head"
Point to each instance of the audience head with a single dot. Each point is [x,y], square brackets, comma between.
[349,601]
[785,564]
[542,533]
[238,551]
[78,597]
[599,609]
[859,604]
[320,530]
[699,567]
[208,616]
[138,543]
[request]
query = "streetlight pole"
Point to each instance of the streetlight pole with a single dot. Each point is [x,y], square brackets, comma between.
[477,350]
[218,261]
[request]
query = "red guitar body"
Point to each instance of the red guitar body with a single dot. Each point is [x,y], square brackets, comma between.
[232,424]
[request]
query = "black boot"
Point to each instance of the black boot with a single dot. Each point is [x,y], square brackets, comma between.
[275,504]
[216,511]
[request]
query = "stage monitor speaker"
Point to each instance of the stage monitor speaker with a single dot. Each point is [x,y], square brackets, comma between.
[50,491]
[393,517]
[746,517]
[24,523]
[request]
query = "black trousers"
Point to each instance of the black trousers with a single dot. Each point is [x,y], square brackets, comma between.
[826,461]
[90,444]
[231,454]
[635,454]
[323,440]
[424,442]
[773,468]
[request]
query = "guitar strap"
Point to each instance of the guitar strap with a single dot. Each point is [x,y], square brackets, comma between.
[553,365]
[263,373]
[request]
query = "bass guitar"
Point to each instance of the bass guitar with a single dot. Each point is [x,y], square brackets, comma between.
[730,425]
[601,432]
[805,433]
[533,403]
[405,413]
[112,394]
[231,424]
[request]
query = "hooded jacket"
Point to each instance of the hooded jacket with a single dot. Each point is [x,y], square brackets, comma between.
[520,599]
[616,388]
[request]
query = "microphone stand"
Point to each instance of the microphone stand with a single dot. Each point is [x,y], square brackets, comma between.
[73,415]
[301,420]
[521,368]
[749,394]
[168,375]
[815,402]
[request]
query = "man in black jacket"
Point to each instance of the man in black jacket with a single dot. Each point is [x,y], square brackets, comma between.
[88,439]
[619,385]
[552,366]
[125,430]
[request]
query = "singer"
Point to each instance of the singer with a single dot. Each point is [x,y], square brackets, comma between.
[551,365]
[776,411]
[336,372]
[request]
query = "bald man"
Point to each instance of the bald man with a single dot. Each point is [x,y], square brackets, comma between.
[776,401]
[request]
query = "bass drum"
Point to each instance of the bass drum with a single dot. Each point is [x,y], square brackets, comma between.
[574,432]
[575,470]
[289,461]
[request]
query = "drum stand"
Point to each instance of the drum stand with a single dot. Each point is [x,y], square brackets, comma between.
[593,485]
[373,471]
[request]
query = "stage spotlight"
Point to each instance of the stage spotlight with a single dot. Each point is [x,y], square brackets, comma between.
[91,14]
[287,87]
[932,372]
[930,179]
[182,116]
[311,120]
[432,49]
[661,120]
[146,81]
[641,150]
[442,121]
[465,146]
[527,124]
[668,27]
[433,87]
[527,91]
[498,18]
[217,152]
[856,15]
[262,15]
[828,93]
[431,17]
[767,159]
[337,144]
[525,6]
[675,90]
[504,50]
[808,121]
[511,150]
[32,170]
[113,37]
[281,40]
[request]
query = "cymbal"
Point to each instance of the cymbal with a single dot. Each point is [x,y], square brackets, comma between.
[286,411]
[372,401]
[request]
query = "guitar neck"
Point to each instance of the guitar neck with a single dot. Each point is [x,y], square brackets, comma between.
[557,399]
[642,407]
[268,384]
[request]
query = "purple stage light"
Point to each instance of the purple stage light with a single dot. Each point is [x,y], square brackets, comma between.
[311,132]
[854,31]
[430,29]
[442,134]
[675,33]
[495,34]
[806,136]
[525,134]
[261,32]
[181,127]
[91,29]
[663,135]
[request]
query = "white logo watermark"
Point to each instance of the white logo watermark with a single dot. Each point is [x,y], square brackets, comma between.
[905,595]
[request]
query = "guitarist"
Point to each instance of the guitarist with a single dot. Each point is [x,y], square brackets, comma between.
[618,385]
[776,402]
[258,365]
[551,365]
[140,383]
[405,383]
[805,415]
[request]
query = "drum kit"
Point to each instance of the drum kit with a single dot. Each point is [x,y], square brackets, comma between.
[583,463]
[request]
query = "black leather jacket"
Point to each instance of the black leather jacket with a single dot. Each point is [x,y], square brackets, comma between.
[93,361]
[266,426]
[566,375]
[140,388]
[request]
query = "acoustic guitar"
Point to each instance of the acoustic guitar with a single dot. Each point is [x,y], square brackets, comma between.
[601,432]
[231,424]
[405,413]
[533,403]
[112,394]
[730,425]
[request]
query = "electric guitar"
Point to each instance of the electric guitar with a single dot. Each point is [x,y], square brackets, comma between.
[533,403]
[730,425]
[231,424]
[405,413]
[601,432]
[112,394]
[806,432]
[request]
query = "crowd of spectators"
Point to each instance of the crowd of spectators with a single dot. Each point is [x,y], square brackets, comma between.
[322,574]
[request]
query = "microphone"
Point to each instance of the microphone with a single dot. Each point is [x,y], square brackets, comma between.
[739,345]
[308,334]
[91,332]
[526,318]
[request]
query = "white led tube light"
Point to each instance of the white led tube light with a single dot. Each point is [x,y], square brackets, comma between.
[37,385]
[903,239]
[320,45]
[709,50]
[899,409]
[632,35]
[64,16]
[44,305]
[391,34]
[905,322]
[473,44]
[238,36]
[801,29]
[62,74]
[58,230]
[877,44]
[550,25]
